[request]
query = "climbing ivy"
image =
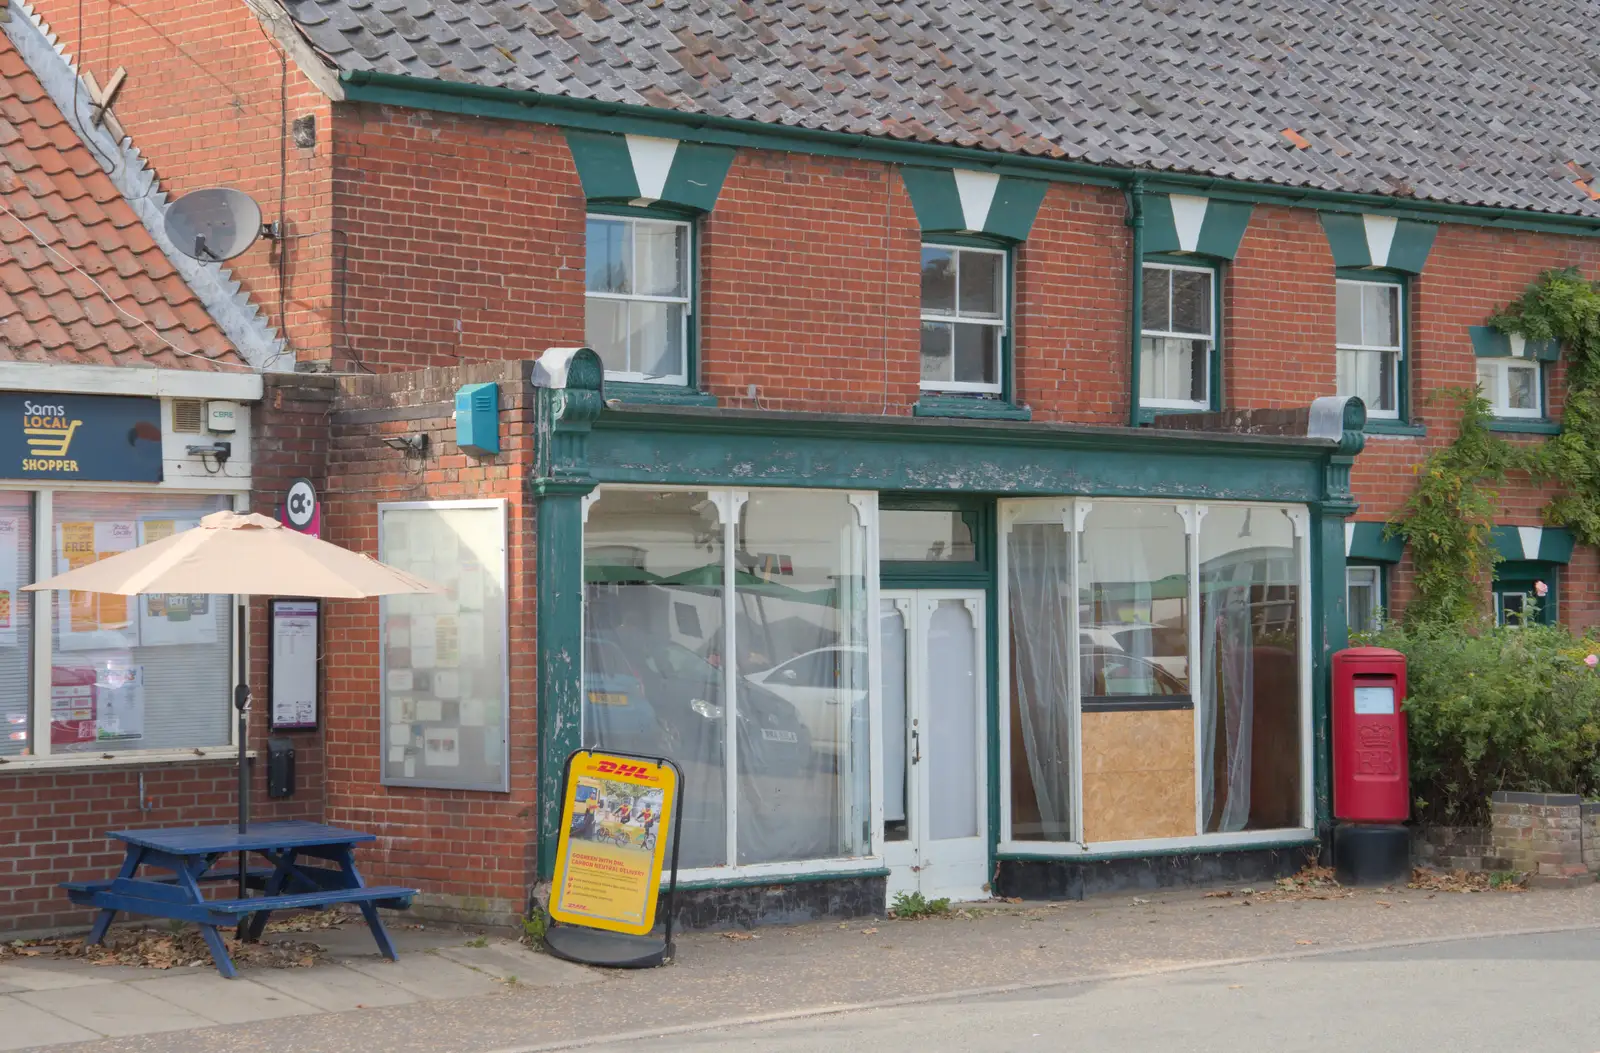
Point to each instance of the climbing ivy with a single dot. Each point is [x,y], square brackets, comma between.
[1449,517]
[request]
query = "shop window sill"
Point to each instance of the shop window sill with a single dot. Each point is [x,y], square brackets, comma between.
[976,407]
[132,759]
[657,394]
[1517,426]
[1383,426]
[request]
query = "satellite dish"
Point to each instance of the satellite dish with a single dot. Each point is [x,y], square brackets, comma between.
[213,224]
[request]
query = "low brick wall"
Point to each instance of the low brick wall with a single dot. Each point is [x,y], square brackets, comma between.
[1591,836]
[1455,848]
[1542,835]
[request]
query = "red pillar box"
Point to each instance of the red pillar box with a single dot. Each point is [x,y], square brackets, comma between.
[1371,767]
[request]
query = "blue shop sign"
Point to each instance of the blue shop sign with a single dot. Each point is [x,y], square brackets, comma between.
[100,438]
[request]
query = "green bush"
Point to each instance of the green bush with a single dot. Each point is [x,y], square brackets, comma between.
[1496,709]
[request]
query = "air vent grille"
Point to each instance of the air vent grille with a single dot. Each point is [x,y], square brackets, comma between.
[187,415]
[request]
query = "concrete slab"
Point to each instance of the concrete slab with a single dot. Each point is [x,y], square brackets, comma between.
[39,977]
[429,976]
[236,1001]
[113,1009]
[23,1025]
[334,988]
[355,941]
[502,959]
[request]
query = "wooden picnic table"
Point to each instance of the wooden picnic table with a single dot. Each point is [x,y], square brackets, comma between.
[185,858]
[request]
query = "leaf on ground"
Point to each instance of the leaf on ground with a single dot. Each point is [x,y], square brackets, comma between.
[1224,894]
[1464,881]
[868,932]
[742,935]
[164,948]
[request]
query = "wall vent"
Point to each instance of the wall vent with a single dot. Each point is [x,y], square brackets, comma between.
[187,415]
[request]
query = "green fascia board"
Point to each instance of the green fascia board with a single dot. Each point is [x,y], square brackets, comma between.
[1524,426]
[474,100]
[1368,541]
[696,176]
[695,447]
[1555,544]
[1015,206]
[605,168]
[1221,230]
[1347,237]
[934,197]
[1489,342]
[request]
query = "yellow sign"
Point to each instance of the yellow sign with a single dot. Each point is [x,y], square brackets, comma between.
[613,841]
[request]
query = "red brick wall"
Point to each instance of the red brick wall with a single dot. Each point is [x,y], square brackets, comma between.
[209,100]
[471,852]
[1278,313]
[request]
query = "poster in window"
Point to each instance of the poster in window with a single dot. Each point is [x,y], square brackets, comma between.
[94,620]
[167,620]
[10,543]
[93,705]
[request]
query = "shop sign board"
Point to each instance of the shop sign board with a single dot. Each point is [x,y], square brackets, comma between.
[616,815]
[104,438]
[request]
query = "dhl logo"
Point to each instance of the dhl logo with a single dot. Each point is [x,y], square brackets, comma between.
[633,771]
[49,436]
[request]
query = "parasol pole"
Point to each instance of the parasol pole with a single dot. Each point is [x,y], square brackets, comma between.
[241,702]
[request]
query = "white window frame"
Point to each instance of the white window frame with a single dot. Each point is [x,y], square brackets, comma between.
[1499,396]
[43,655]
[687,301]
[1376,572]
[1210,338]
[957,318]
[1397,350]
[1072,513]
[728,501]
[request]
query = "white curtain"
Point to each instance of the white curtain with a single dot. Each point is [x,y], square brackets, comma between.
[1039,577]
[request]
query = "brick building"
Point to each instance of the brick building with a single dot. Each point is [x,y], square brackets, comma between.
[866,404]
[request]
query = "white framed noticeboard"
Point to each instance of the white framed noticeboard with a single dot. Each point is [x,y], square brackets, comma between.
[444,659]
[292,679]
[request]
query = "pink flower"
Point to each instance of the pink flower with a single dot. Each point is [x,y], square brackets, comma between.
[1541,589]
[1592,660]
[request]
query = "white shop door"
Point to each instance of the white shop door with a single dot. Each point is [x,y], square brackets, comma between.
[936,836]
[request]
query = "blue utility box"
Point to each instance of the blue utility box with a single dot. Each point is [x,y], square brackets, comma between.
[478,419]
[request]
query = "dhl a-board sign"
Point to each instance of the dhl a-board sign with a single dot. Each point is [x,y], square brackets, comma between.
[614,827]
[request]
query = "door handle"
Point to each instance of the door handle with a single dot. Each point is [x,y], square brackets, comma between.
[916,747]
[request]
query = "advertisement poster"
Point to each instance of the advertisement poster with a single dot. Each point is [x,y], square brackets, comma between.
[294,664]
[72,706]
[91,620]
[93,705]
[119,703]
[10,540]
[613,841]
[176,619]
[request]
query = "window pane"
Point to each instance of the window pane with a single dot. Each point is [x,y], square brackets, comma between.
[16,622]
[1250,777]
[1489,381]
[1522,387]
[1191,302]
[1349,313]
[1380,322]
[608,252]
[936,351]
[1156,307]
[980,284]
[652,654]
[606,332]
[1039,558]
[1173,368]
[1362,598]
[938,280]
[805,595]
[135,672]
[660,251]
[896,761]
[656,337]
[1369,375]
[977,354]
[916,534]
[1135,585]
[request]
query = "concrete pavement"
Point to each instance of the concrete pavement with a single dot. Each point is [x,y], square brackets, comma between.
[815,971]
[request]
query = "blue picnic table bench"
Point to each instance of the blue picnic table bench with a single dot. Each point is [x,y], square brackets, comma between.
[185,858]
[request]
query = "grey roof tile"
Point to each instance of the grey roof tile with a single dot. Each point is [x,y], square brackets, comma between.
[1467,101]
